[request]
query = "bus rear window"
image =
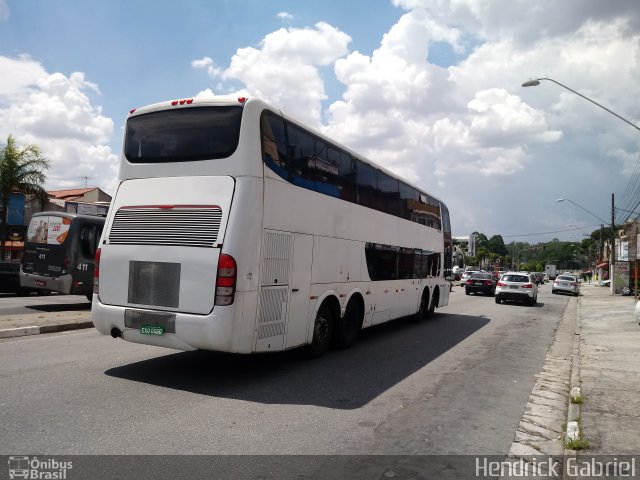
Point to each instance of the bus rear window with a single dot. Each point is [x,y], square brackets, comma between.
[183,135]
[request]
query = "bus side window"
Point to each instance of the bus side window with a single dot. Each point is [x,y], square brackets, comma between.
[347,176]
[367,185]
[417,263]
[405,263]
[388,194]
[303,150]
[88,241]
[274,144]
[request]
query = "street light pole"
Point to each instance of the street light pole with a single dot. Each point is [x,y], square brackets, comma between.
[536,81]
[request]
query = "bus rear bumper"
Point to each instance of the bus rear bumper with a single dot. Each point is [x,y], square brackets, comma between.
[40,282]
[216,331]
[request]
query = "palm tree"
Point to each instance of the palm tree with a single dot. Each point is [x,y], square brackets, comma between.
[21,170]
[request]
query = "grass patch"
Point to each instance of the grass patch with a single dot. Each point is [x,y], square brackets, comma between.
[578,399]
[577,444]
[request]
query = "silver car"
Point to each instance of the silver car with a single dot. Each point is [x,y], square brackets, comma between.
[517,286]
[567,284]
[466,276]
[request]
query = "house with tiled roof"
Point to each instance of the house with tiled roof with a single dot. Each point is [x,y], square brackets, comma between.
[76,200]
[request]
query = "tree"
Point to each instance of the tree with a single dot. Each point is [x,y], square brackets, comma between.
[496,245]
[21,170]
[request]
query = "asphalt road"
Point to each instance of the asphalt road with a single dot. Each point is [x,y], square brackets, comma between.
[23,305]
[456,384]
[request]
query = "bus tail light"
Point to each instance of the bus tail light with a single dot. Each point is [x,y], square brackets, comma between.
[226,280]
[96,272]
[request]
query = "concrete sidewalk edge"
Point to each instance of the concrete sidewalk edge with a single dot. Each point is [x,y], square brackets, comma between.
[573,430]
[36,330]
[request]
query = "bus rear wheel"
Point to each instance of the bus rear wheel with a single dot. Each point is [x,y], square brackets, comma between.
[350,325]
[435,298]
[322,332]
[423,310]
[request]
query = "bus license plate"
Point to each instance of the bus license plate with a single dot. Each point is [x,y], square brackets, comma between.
[152,330]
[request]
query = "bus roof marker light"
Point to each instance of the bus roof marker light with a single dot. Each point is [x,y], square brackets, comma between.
[242,99]
[132,111]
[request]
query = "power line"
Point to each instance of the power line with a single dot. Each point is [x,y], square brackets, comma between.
[548,233]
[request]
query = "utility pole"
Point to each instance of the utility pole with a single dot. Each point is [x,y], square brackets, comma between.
[612,267]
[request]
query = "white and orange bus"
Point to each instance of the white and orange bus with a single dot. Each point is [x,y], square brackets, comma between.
[235,228]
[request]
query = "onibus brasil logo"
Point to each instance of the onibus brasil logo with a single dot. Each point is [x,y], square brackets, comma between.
[32,468]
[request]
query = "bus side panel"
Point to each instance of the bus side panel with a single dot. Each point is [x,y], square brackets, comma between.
[243,241]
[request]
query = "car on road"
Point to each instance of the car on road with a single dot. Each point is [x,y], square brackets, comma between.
[466,276]
[566,284]
[481,283]
[539,277]
[10,279]
[518,286]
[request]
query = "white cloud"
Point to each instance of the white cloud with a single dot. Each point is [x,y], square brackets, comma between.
[54,112]
[284,70]
[206,63]
[284,16]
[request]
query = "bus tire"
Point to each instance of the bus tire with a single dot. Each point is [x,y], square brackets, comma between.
[350,325]
[322,332]
[421,314]
[433,302]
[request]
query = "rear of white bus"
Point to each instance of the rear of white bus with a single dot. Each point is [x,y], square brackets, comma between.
[176,261]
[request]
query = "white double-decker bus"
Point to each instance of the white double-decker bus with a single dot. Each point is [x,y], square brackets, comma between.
[235,228]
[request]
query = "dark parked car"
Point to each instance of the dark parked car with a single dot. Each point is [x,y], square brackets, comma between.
[10,279]
[481,282]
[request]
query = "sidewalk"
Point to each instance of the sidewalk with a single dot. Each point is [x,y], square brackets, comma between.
[43,322]
[588,390]
[609,371]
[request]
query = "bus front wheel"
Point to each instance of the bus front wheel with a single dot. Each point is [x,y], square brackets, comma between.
[322,331]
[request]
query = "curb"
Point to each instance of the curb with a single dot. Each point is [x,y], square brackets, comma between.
[573,430]
[36,330]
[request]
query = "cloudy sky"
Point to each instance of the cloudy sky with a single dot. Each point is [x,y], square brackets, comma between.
[430,89]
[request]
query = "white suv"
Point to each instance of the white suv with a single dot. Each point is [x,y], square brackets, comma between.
[517,286]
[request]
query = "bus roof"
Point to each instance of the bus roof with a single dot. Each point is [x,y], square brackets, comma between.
[228,100]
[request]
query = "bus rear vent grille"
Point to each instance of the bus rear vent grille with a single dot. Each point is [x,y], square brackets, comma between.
[176,226]
[271,315]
